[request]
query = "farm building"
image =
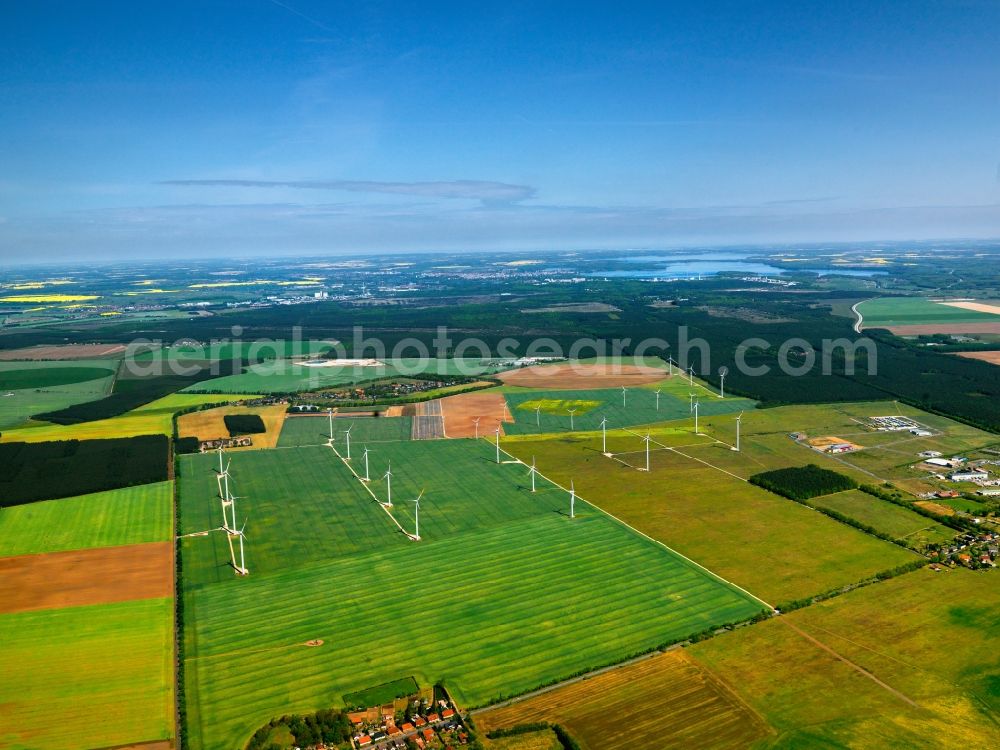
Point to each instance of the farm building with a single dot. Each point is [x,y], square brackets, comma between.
[989,492]
[930,454]
[972,475]
[840,448]
[943,462]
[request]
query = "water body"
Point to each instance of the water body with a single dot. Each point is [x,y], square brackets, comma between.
[709,264]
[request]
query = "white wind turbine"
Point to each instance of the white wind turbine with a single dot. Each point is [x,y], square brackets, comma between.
[347,433]
[657,399]
[532,471]
[723,371]
[571,413]
[739,418]
[538,412]
[388,484]
[498,443]
[647,441]
[696,432]
[365,457]
[623,397]
[476,422]
[416,517]
[691,375]
[572,500]
[604,436]
[329,414]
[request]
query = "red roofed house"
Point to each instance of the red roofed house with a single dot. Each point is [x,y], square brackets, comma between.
[407,727]
[364,740]
[433,718]
[428,734]
[420,721]
[447,713]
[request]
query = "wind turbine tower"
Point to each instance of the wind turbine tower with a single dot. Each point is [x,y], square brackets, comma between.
[647,440]
[572,500]
[739,418]
[348,436]
[416,517]
[388,484]
[571,413]
[365,456]
[723,371]
[498,443]
[604,436]
[476,422]
[696,418]
[691,375]
[533,471]
[623,397]
[657,399]
[538,411]
[329,413]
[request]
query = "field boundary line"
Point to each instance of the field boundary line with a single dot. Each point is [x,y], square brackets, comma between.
[632,528]
[693,458]
[369,489]
[857,667]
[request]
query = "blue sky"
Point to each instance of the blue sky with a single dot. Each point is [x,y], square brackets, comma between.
[266,126]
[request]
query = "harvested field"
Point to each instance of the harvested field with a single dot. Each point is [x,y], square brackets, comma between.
[582,376]
[941,510]
[929,328]
[93,576]
[428,424]
[66,351]
[992,357]
[460,412]
[209,424]
[665,701]
[821,443]
[986,307]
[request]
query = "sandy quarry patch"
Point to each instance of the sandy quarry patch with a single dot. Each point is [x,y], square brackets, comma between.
[460,412]
[90,576]
[63,351]
[918,330]
[986,307]
[582,376]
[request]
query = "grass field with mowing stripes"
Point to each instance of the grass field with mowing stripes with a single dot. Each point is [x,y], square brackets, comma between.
[87,677]
[504,593]
[298,431]
[131,515]
[640,407]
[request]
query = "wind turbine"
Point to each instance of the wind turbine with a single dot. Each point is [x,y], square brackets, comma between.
[538,411]
[647,439]
[623,397]
[476,422]
[416,517]
[657,399]
[691,375]
[532,471]
[604,436]
[348,435]
[739,418]
[329,413]
[241,568]
[498,443]
[572,500]
[571,413]
[723,371]
[696,418]
[388,484]
[365,456]
[690,402]
[670,366]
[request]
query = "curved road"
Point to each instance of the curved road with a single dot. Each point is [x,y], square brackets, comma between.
[860,320]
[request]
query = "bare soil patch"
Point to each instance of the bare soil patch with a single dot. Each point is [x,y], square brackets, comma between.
[986,307]
[63,351]
[826,441]
[581,376]
[461,411]
[992,357]
[918,330]
[91,576]
[941,510]
[576,307]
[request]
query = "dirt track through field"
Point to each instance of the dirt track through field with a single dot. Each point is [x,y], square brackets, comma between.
[848,662]
[582,377]
[91,576]
[461,412]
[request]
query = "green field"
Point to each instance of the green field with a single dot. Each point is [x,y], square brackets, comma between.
[933,637]
[773,547]
[883,516]
[286,376]
[131,515]
[595,405]
[28,388]
[903,311]
[300,431]
[87,677]
[378,695]
[500,596]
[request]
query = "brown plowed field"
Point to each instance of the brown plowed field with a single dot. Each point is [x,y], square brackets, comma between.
[582,376]
[65,351]
[461,411]
[665,701]
[90,576]
[992,357]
